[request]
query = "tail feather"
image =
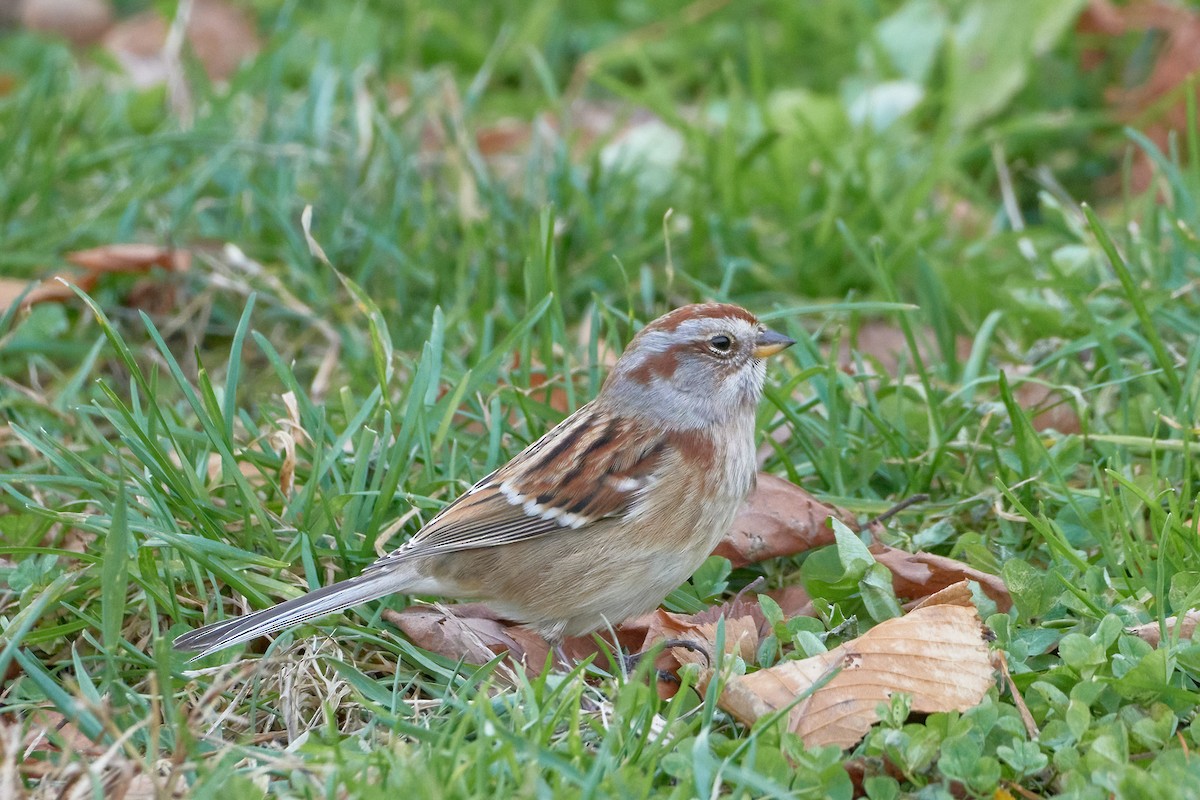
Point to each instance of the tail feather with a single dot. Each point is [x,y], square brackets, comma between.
[326,600]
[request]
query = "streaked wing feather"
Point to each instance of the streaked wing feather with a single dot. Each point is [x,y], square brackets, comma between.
[532,496]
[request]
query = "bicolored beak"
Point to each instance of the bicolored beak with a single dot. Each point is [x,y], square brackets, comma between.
[769,343]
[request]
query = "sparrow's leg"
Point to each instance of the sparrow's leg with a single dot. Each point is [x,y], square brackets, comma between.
[561,661]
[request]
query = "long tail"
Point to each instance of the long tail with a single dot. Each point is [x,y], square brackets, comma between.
[317,603]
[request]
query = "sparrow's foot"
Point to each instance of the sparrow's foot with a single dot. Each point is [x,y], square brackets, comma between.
[630,661]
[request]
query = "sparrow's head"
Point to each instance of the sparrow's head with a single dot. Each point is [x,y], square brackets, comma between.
[697,366]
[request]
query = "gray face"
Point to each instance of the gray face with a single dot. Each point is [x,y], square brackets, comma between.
[695,373]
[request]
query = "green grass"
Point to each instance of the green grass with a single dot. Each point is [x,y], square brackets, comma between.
[144,471]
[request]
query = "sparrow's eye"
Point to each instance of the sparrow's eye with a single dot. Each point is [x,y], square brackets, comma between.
[720,343]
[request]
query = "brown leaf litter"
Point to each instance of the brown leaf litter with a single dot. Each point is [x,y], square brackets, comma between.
[1159,104]
[938,654]
[220,35]
[919,575]
[1151,633]
[779,519]
[93,264]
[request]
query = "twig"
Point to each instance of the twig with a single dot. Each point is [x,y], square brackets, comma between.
[896,509]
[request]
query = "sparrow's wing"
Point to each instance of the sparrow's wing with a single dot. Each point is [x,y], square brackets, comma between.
[582,471]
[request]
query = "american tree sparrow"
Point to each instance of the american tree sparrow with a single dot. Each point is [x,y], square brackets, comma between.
[599,519]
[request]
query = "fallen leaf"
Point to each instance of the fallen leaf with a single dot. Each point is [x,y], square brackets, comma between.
[215,468]
[793,601]
[220,35]
[471,632]
[552,392]
[885,343]
[779,519]
[139,786]
[80,22]
[67,735]
[10,13]
[476,634]
[590,122]
[937,654]
[1175,60]
[1152,634]
[918,575]
[881,341]
[1049,408]
[130,257]
[95,262]
[55,289]
[154,297]
[744,624]
[503,137]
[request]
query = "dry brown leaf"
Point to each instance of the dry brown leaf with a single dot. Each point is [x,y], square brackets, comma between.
[918,575]
[1152,634]
[1176,60]
[220,35]
[290,429]
[156,298]
[10,13]
[44,720]
[503,137]
[471,632]
[589,122]
[119,258]
[131,257]
[779,519]
[744,625]
[79,768]
[937,654]
[546,390]
[54,289]
[882,341]
[475,633]
[793,601]
[1049,408]
[282,440]
[80,22]
[215,468]
[138,786]
[885,342]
